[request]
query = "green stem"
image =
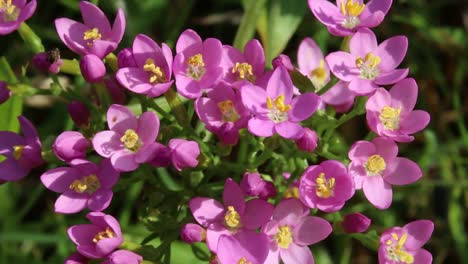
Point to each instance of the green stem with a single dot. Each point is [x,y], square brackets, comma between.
[155,106]
[30,38]
[111,60]
[359,109]
[179,110]
[70,67]
[246,29]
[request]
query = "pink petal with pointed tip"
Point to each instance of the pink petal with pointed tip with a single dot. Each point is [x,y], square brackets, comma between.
[257,213]
[93,17]
[261,127]
[378,192]
[362,86]
[303,106]
[311,230]
[404,94]
[309,56]
[124,160]
[148,127]
[289,130]
[71,202]
[415,121]
[206,210]
[120,119]
[419,232]
[71,34]
[343,65]
[280,84]
[296,254]
[134,79]
[187,39]
[233,196]
[391,77]
[403,171]
[392,52]
[107,142]
[100,200]
[326,12]
[363,42]
[59,179]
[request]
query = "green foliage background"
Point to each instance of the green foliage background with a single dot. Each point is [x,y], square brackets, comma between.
[31,233]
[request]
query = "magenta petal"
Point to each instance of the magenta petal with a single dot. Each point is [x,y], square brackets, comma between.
[29,130]
[134,79]
[405,94]
[188,87]
[83,234]
[187,39]
[71,34]
[107,245]
[106,143]
[311,230]
[143,48]
[326,12]
[392,52]
[120,118]
[59,179]
[378,100]
[118,28]
[280,84]
[361,151]
[124,160]
[415,121]
[93,17]
[391,77]
[205,210]
[107,175]
[100,200]
[208,111]
[363,42]
[261,127]
[70,202]
[11,170]
[257,213]
[148,127]
[233,196]
[102,48]
[308,56]
[339,94]
[343,65]
[255,55]
[362,86]
[377,191]
[403,171]
[386,148]
[254,98]
[147,153]
[289,130]
[296,254]
[303,106]
[419,232]
[422,256]
[8,140]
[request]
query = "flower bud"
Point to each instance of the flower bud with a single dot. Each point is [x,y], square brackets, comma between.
[283,60]
[92,68]
[48,61]
[191,233]
[125,58]
[116,91]
[76,258]
[5,93]
[79,113]
[162,157]
[70,145]
[355,223]
[124,257]
[184,153]
[252,184]
[308,140]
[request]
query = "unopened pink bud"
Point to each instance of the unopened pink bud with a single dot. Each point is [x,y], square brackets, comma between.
[92,68]
[191,233]
[162,157]
[79,113]
[124,256]
[184,153]
[125,58]
[116,91]
[355,223]
[5,93]
[283,60]
[70,145]
[252,184]
[48,61]
[308,140]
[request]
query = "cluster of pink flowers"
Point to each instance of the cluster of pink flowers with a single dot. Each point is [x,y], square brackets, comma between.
[231,91]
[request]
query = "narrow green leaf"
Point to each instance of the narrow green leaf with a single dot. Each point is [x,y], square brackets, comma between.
[246,29]
[11,109]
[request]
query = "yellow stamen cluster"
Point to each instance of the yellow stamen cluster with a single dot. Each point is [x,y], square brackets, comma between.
[284,237]
[390,117]
[292,192]
[87,184]
[243,260]
[370,60]
[228,110]
[319,76]
[10,11]
[245,71]
[232,218]
[156,74]
[397,252]
[131,140]
[103,234]
[196,67]
[18,152]
[196,60]
[351,8]
[324,187]
[375,165]
[278,103]
[92,35]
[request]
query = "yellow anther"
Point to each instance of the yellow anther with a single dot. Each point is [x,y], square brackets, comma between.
[18,152]
[103,234]
[232,218]
[370,61]
[243,260]
[196,60]
[284,237]
[92,35]
[324,188]
[390,117]
[131,140]
[228,110]
[87,184]
[291,193]
[397,252]
[11,12]
[156,74]
[351,8]
[375,165]
[245,71]
[319,75]
[278,103]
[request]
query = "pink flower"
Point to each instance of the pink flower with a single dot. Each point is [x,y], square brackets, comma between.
[82,185]
[252,184]
[283,60]
[290,231]
[312,64]
[390,113]
[241,68]
[130,140]
[21,153]
[95,36]
[184,153]
[197,63]
[369,65]
[13,13]
[349,15]
[191,233]
[70,145]
[48,61]
[153,70]
[355,223]
[222,113]
[375,167]
[229,218]
[326,186]
[308,140]
[123,257]
[274,110]
[404,244]
[76,258]
[245,246]
[98,239]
